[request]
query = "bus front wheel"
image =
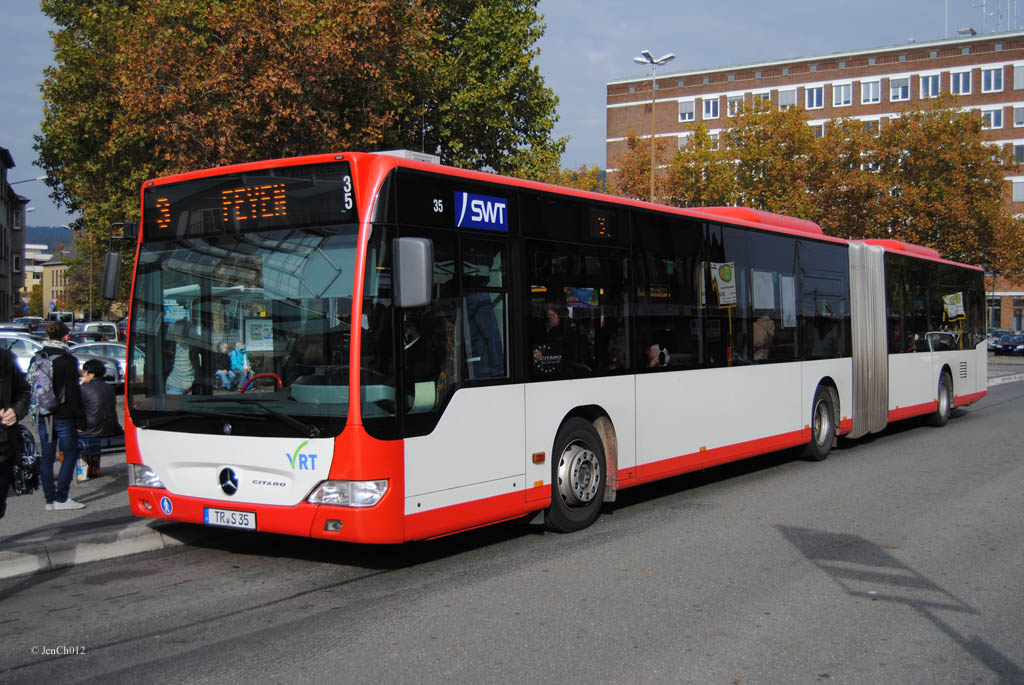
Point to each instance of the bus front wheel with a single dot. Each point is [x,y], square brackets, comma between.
[945,397]
[578,473]
[823,425]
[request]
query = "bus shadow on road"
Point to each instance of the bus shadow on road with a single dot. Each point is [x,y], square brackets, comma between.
[865,570]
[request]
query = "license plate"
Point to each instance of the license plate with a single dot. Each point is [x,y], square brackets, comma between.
[230,519]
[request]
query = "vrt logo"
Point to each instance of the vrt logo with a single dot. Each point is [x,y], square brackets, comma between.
[302,462]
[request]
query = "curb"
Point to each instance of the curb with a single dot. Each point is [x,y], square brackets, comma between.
[1012,378]
[134,538]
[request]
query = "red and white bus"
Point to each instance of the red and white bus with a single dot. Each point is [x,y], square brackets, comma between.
[437,349]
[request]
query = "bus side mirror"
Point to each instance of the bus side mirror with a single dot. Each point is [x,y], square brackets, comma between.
[111,275]
[414,271]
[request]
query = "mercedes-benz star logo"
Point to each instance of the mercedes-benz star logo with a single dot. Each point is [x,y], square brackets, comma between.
[228,481]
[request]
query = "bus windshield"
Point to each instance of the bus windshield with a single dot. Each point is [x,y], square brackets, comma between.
[267,313]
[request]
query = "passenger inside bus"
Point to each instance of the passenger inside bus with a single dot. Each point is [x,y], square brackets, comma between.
[555,341]
[657,356]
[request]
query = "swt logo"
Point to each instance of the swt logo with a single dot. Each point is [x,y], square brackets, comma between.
[302,462]
[481,211]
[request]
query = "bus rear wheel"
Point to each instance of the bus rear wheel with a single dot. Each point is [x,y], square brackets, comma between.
[578,473]
[823,425]
[945,397]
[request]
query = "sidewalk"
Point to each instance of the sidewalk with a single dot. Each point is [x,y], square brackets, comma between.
[33,539]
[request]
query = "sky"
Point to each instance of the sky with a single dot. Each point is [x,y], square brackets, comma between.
[586,44]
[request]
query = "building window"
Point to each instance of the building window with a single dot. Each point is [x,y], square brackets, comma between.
[965,51]
[686,110]
[762,101]
[819,130]
[1018,154]
[679,83]
[930,86]
[1018,191]
[711,109]
[17,220]
[656,87]
[17,263]
[813,68]
[993,118]
[842,95]
[733,104]
[787,98]
[903,58]
[899,89]
[757,74]
[714,141]
[785,71]
[842,64]
[707,80]
[684,139]
[871,126]
[872,61]
[991,80]
[732,77]
[960,82]
[870,92]
[1018,116]
[814,98]
[998,47]
[933,54]
[632,89]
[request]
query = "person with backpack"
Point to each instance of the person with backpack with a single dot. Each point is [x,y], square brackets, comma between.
[14,403]
[53,378]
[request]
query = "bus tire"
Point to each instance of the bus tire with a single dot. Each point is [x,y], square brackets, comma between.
[578,474]
[945,398]
[823,425]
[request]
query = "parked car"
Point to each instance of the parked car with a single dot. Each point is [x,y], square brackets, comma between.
[25,347]
[14,326]
[112,350]
[1011,344]
[994,335]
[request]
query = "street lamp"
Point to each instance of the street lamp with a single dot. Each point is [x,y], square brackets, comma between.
[26,180]
[648,58]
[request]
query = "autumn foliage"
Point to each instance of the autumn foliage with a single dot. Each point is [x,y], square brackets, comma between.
[925,177]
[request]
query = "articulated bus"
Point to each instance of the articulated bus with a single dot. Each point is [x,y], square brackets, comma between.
[422,350]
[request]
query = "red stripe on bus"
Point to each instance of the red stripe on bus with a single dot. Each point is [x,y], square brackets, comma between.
[964,400]
[468,515]
[666,468]
[900,413]
[845,426]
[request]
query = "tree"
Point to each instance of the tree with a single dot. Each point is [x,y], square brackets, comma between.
[590,178]
[633,178]
[702,173]
[773,150]
[145,89]
[946,185]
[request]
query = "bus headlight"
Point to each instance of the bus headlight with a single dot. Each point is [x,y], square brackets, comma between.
[349,493]
[142,476]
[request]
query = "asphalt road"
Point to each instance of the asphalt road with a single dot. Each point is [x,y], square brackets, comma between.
[899,559]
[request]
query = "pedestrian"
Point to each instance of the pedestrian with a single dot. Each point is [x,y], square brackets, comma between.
[240,364]
[100,414]
[222,366]
[14,402]
[61,425]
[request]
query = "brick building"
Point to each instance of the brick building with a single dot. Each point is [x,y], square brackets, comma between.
[986,73]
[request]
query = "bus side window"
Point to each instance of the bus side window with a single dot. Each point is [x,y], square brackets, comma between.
[483,309]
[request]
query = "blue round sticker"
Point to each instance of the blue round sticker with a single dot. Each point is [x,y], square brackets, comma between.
[166,506]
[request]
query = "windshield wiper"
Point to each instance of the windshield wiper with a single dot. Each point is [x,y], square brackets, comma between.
[180,415]
[306,429]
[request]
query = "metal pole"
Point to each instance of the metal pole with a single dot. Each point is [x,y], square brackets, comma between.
[654,70]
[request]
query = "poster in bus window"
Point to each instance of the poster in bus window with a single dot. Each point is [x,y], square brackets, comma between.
[724,275]
[763,283]
[584,298]
[954,305]
[787,284]
[259,335]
